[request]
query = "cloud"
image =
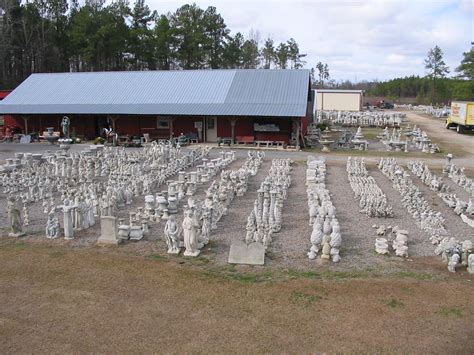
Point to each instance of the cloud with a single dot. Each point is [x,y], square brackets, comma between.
[364,39]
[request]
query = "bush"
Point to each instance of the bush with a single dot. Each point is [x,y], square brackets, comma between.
[99,140]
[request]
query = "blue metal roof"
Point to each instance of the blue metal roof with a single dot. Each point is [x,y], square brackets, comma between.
[252,92]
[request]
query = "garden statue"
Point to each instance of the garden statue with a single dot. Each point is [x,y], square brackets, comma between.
[65,126]
[14,218]
[190,234]
[172,233]
[52,226]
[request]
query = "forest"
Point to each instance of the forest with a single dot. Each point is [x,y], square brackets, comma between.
[53,36]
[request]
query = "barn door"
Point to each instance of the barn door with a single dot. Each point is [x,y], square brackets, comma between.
[211,129]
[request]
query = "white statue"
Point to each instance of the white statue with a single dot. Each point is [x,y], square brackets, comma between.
[190,234]
[68,211]
[14,217]
[172,234]
[470,264]
[52,226]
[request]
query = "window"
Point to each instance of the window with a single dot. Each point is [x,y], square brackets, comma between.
[162,123]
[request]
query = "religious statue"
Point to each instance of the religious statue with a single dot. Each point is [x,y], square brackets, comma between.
[14,218]
[52,226]
[190,234]
[172,234]
[65,126]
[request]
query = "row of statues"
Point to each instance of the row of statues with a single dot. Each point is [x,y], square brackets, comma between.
[265,219]
[200,218]
[326,232]
[363,119]
[372,201]
[428,220]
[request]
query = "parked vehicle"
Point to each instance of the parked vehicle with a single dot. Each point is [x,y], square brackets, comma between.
[462,116]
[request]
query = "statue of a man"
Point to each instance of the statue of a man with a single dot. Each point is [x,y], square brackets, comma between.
[14,218]
[65,126]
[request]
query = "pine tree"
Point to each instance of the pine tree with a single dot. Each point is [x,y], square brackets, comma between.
[466,68]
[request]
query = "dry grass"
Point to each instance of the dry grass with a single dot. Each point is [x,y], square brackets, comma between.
[55,299]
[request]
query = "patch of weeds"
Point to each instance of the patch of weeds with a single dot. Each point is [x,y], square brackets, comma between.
[243,278]
[413,275]
[295,274]
[304,298]
[394,303]
[19,245]
[341,275]
[230,268]
[158,257]
[451,312]
[57,254]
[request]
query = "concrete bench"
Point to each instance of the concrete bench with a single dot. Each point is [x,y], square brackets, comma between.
[244,140]
[45,134]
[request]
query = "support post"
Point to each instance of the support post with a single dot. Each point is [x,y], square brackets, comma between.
[233,121]
[170,120]
[25,120]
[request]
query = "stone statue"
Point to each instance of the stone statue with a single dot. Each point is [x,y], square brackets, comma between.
[470,264]
[68,211]
[190,234]
[172,234]
[14,218]
[65,126]
[52,226]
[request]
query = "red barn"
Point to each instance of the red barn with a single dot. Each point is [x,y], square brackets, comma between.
[272,105]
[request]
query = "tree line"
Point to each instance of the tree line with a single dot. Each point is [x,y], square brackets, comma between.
[53,36]
[435,87]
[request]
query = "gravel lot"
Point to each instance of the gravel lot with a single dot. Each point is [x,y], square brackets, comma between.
[291,244]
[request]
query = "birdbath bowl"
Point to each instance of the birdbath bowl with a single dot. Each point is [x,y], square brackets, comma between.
[326,143]
[51,138]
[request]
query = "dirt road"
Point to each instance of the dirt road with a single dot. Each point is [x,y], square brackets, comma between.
[451,141]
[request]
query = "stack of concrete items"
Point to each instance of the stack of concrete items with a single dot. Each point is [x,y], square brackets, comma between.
[372,201]
[461,208]
[201,217]
[326,236]
[428,220]
[363,119]
[421,141]
[438,112]
[394,235]
[393,141]
[457,175]
[313,135]
[266,216]
[358,141]
[93,183]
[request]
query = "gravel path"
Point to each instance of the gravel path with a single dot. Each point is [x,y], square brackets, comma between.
[232,226]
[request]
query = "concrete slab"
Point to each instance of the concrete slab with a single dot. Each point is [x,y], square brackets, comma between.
[251,254]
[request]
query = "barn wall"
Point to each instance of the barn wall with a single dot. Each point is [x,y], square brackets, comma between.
[338,101]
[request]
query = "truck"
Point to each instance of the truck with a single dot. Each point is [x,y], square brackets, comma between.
[461,117]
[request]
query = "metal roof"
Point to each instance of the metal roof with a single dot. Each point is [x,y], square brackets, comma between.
[247,92]
[340,91]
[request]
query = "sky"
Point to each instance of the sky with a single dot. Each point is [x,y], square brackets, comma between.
[359,40]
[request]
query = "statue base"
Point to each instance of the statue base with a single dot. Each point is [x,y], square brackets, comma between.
[16,235]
